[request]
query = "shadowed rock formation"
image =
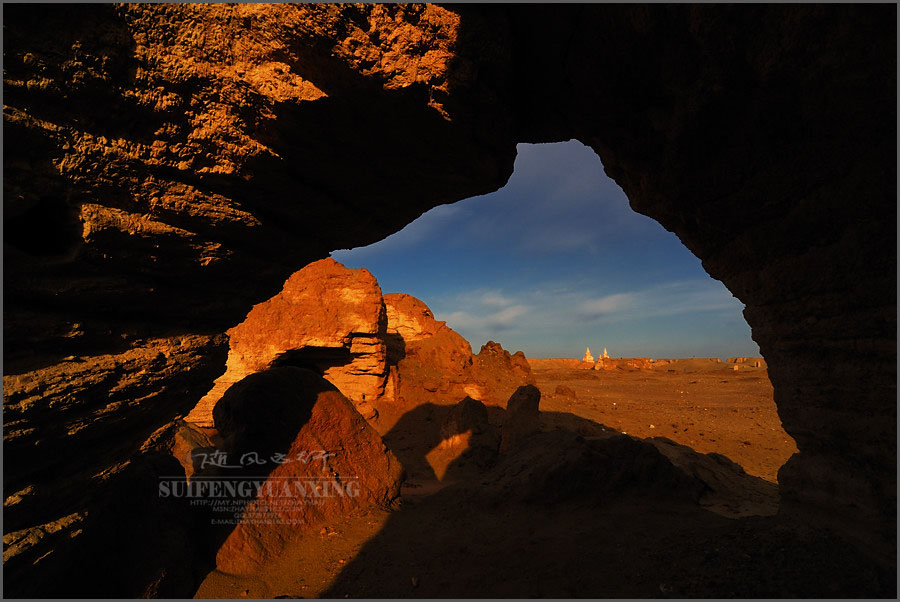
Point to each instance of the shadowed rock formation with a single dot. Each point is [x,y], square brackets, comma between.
[468,415]
[442,369]
[169,165]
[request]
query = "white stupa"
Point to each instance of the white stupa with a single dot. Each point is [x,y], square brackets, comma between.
[587,356]
[604,353]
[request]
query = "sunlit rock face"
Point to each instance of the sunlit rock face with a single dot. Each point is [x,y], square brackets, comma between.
[410,318]
[328,318]
[436,365]
[431,356]
[170,165]
[375,349]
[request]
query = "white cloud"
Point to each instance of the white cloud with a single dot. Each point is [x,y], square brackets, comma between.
[482,313]
[508,317]
[606,305]
[666,299]
[495,299]
[476,326]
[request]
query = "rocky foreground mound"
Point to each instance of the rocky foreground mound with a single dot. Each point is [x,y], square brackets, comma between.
[331,461]
[305,371]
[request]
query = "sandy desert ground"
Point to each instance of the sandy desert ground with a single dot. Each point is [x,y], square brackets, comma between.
[474,533]
[707,406]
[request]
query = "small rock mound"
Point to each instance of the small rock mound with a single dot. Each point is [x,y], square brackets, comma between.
[522,417]
[558,466]
[564,390]
[730,491]
[755,362]
[468,415]
[467,425]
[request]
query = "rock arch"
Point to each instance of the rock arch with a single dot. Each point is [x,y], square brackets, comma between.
[196,155]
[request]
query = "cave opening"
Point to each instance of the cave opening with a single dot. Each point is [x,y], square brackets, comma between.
[303,139]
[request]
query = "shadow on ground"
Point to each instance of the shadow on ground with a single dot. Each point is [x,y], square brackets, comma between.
[580,510]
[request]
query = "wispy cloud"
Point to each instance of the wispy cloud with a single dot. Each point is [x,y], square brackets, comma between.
[666,299]
[480,314]
[476,326]
[605,306]
[494,299]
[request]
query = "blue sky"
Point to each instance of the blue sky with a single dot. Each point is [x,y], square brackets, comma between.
[557,261]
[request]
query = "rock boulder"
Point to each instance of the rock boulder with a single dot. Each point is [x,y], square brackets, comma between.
[294,415]
[564,390]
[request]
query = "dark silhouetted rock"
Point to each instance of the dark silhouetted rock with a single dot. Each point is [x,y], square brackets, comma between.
[468,415]
[467,427]
[522,417]
[557,466]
